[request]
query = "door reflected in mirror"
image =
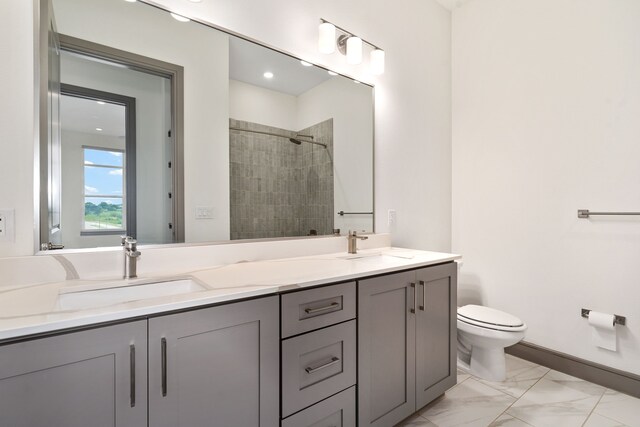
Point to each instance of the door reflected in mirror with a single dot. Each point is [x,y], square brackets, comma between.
[218,138]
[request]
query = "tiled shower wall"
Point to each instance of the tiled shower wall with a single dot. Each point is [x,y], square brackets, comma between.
[280,189]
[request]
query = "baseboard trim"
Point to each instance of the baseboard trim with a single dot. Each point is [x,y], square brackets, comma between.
[622,381]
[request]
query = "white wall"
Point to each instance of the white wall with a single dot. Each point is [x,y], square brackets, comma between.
[259,105]
[342,100]
[546,108]
[17,137]
[204,56]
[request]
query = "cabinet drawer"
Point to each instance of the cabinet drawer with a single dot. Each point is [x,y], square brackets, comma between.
[305,311]
[317,365]
[336,411]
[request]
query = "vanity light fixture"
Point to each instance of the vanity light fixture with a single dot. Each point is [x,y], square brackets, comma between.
[348,44]
[179,17]
[99,129]
[268,75]
[306,64]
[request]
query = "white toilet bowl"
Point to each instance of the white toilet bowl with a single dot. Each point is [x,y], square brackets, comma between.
[483,334]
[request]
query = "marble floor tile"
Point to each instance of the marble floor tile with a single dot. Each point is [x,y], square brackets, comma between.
[416,421]
[508,421]
[521,375]
[557,400]
[619,407]
[462,375]
[469,404]
[596,420]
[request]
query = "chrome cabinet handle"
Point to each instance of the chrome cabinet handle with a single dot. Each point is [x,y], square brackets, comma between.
[320,309]
[163,346]
[311,370]
[413,308]
[132,375]
[424,294]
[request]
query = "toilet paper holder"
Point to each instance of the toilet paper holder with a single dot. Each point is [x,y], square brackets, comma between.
[617,320]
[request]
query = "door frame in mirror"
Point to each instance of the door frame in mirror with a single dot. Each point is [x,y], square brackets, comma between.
[132,61]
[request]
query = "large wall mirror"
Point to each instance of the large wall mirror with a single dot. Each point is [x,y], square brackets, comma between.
[172,131]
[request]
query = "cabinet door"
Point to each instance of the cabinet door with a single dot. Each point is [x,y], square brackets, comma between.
[386,349]
[435,332]
[217,366]
[96,377]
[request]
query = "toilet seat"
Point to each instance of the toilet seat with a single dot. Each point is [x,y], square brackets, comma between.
[490,318]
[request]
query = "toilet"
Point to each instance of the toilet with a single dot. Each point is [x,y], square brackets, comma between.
[483,334]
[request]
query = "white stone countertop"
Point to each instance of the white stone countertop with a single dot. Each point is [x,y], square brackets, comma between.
[35,309]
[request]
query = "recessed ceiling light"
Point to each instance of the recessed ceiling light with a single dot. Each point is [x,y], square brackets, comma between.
[306,64]
[331,73]
[101,102]
[180,17]
[268,75]
[99,129]
[131,1]
[195,1]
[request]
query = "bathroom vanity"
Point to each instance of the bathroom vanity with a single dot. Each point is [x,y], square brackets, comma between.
[377,328]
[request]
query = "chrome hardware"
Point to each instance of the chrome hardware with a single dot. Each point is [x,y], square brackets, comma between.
[415,297]
[343,213]
[617,320]
[424,295]
[352,238]
[163,362]
[132,373]
[584,213]
[336,232]
[131,254]
[320,309]
[333,361]
[50,246]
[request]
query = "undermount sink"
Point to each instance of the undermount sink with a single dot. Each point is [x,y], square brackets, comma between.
[83,297]
[359,256]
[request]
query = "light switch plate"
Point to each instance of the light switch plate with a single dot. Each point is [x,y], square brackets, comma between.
[6,225]
[391,218]
[205,212]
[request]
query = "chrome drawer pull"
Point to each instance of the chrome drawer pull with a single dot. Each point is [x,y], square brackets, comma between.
[415,297]
[163,362]
[311,370]
[319,309]
[132,375]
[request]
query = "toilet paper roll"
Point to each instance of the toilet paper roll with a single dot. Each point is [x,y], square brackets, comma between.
[603,332]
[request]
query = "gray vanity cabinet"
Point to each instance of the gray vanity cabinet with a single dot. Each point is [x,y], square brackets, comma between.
[406,342]
[96,377]
[216,366]
[436,332]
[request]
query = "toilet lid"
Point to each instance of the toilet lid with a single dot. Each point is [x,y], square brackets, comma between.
[488,317]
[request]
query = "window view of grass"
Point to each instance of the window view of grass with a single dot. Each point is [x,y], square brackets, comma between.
[102,216]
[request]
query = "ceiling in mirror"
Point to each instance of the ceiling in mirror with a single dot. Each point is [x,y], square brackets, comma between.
[225,139]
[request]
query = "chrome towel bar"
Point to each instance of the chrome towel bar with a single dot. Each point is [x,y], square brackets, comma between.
[343,213]
[584,213]
[618,320]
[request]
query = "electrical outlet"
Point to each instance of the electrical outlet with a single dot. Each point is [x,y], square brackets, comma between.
[6,225]
[205,212]
[391,218]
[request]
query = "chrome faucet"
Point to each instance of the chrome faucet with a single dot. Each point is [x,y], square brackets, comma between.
[131,254]
[352,237]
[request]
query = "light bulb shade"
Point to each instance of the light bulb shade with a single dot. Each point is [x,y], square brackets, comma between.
[326,37]
[377,61]
[354,50]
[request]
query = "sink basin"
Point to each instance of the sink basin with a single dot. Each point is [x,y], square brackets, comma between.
[83,297]
[359,256]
